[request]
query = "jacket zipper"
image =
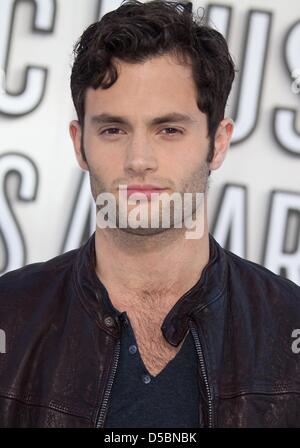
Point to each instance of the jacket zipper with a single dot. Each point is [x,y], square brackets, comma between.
[204,373]
[103,407]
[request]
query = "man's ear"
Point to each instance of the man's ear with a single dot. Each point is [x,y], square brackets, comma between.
[222,141]
[75,133]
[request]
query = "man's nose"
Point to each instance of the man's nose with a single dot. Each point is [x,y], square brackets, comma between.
[140,156]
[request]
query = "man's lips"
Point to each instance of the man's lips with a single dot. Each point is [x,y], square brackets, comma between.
[146,189]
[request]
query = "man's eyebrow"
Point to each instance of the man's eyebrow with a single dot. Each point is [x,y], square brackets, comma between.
[173,117]
[107,118]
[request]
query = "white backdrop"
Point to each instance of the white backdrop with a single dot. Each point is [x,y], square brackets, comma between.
[254,198]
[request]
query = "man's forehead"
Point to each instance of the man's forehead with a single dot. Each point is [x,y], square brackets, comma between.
[161,70]
[154,94]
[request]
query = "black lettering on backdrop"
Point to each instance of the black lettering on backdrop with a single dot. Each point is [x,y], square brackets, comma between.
[284,118]
[250,84]
[230,222]
[280,253]
[82,221]
[35,77]
[15,164]
[219,17]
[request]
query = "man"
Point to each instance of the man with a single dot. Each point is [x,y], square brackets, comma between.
[143,326]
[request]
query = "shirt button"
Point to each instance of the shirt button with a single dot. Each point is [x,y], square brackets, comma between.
[146,379]
[132,349]
[109,321]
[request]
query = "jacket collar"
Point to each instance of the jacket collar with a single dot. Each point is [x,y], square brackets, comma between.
[95,299]
[207,290]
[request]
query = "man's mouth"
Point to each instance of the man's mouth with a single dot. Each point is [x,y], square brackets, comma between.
[146,189]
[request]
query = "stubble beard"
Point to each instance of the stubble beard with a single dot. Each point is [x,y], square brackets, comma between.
[198,182]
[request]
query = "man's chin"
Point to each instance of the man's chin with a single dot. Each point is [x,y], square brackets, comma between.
[142,231]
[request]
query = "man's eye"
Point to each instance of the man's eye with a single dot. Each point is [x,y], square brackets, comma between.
[110,131]
[171,131]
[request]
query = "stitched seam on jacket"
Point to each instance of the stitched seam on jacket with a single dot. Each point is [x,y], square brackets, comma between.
[54,406]
[229,397]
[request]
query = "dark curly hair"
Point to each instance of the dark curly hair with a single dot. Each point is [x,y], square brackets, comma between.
[136,31]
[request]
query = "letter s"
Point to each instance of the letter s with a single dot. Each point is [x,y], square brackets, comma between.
[10,231]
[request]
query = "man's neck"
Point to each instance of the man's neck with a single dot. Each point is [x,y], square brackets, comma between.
[149,270]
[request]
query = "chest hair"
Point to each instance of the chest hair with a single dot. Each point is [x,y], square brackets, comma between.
[154,350]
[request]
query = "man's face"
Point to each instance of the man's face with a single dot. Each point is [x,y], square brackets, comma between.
[141,147]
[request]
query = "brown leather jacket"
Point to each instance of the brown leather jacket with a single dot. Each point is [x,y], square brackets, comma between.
[62,345]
